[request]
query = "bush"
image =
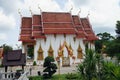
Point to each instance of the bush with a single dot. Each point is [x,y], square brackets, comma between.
[50,67]
[34,63]
[1,66]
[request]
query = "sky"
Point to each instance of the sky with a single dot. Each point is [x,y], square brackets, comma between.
[103,14]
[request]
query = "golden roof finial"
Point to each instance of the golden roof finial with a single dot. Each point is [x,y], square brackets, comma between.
[19,12]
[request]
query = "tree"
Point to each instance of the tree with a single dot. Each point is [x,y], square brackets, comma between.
[104,39]
[105,36]
[118,29]
[6,48]
[50,67]
[95,68]
[88,69]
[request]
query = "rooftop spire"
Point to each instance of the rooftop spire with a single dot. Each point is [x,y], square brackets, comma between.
[39,8]
[19,13]
[88,14]
[30,11]
[71,9]
[79,11]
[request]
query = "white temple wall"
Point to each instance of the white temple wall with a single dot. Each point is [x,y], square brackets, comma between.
[91,46]
[55,42]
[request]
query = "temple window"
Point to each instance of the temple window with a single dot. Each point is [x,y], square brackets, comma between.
[80,54]
[30,52]
[40,53]
[50,51]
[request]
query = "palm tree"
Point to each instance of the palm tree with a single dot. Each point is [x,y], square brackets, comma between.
[88,68]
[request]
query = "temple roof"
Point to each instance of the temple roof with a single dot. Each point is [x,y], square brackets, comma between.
[57,23]
[17,60]
[38,26]
[90,35]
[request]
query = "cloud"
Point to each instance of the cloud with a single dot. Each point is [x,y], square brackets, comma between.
[45,5]
[10,6]
[79,3]
[103,13]
[7,22]
[3,36]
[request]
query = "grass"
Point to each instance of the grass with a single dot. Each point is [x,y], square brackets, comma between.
[54,77]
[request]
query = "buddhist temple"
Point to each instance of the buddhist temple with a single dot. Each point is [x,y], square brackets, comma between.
[58,34]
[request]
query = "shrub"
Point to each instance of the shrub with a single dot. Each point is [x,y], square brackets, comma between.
[34,63]
[1,65]
[50,67]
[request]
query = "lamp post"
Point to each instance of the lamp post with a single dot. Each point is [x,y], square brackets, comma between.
[58,61]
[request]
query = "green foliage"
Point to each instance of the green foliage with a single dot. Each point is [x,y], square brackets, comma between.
[113,48]
[34,63]
[6,48]
[71,76]
[104,39]
[112,45]
[111,71]
[95,68]
[1,65]
[50,67]
[118,30]
[105,36]
[88,68]
[35,78]
[54,77]
[30,52]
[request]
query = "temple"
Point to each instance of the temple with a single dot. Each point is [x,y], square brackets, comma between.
[58,34]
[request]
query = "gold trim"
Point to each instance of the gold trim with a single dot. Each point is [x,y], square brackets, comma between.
[40,53]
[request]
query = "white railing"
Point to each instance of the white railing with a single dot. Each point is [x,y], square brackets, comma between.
[7,75]
[24,76]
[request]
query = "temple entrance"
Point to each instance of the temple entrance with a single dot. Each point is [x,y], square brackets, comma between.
[30,52]
[65,61]
[65,52]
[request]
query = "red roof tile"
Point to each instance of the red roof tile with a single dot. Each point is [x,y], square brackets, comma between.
[88,29]
[55,23]
[56,17]
[26,22]
[36,19]
[26,29]
[78,27]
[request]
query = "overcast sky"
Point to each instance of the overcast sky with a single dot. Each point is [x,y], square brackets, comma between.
[103,14]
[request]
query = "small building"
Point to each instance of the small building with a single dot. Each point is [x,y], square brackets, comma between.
[14,58]
[1,55]
[58,34]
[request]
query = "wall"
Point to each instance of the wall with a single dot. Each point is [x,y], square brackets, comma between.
[55,43]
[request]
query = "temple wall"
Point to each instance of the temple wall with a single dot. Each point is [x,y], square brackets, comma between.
[55,42]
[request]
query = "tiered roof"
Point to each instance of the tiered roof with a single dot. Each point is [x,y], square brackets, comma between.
[38,26]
